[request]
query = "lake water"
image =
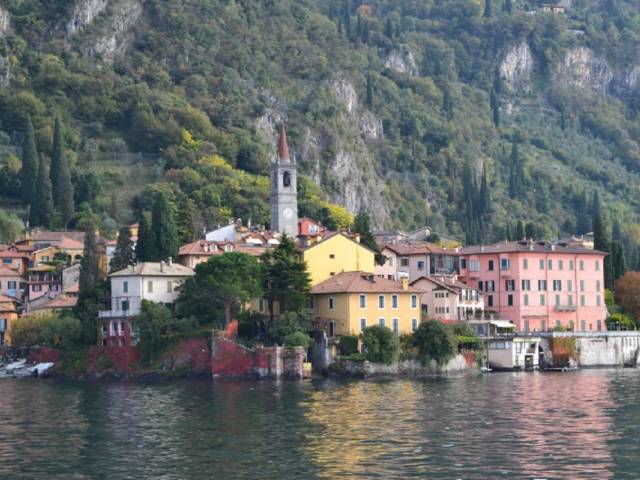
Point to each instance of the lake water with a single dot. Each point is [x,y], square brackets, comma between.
[504,425]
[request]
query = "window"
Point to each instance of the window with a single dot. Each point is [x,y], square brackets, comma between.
[557,285]
[597,285]
[583,325]
[598,302]
[597,265]
[543,326]
[381,322]
[150,286]
[570,285]
[525,264]
[490,265]
[481,285]
[582,301]
[542,285]
[581,265]
[510,300]
[396,329]
[332,256]
[526,285]
[541,262]
[505,264]
[380,301]
[394,301]
[474,265]
[490,300]
[509,285]
[526,300]
[332,274]
[582,285]
[542,300]
[491,285]
[390,261]
[414,301]
[599,325]
[332,302]
[414,324]
[421,265]
[404,262]
[169,286]
[560,264]
[124,305]
[363,324]
[557,300]
[550,264]
[570,300]
[558,324]
[463,263]
[286,179]
[571,265]
[363,301]
[125,287]
[12,285]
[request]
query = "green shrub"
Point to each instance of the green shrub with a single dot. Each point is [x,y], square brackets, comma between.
[153,321]
[348,345]
[288,323]
[380,344]
[51,330]
[297,339]
[435,342]
[355,357]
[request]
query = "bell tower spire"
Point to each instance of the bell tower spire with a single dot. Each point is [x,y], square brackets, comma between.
[284,189]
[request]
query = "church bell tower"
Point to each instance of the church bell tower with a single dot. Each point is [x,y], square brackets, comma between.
[284,190]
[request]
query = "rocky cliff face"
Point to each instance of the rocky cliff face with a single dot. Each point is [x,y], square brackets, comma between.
[402,62]
[116,38]
[5,72]
[83,15]
[517,68]
[582,69]
[5,21]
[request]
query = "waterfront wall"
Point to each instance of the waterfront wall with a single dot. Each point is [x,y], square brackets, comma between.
[230,359]
[606,349]
[408,368]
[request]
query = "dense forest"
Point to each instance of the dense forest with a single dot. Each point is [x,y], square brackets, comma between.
[466,115]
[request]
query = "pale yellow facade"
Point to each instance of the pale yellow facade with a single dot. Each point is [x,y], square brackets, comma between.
[335,255]
[350,313]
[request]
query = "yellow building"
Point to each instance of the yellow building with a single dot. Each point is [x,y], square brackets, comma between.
[335,254]
[349,302]
[8,315]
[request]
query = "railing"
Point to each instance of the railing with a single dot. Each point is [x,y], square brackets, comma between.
[565,308]
[114,314]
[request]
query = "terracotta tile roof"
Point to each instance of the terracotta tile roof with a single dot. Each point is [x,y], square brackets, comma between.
[283,147]
[200,247]
[528,246]
[56,236]
[453,285]
[61,301]
[73,288]
[13,252]
[415,247]
[360,282]
[254,250]
[154,269]
[69,243]
[326,236]
[7,304]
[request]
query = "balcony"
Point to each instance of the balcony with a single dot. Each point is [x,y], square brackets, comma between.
[114,314]
[565,308]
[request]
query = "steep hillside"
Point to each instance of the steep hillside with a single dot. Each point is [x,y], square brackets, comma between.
[396,107]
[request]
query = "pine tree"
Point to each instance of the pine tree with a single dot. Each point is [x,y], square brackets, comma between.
[488,9]
[124,255]
[495,108]
[164,228]
[61,177]
[369,91]
[41,212]
[447,103]
[146,247]
[29,174]
[186,221]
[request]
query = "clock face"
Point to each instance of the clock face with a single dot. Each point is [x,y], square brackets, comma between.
[287,213]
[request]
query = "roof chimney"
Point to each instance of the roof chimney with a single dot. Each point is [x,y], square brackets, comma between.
[283,147]
[161,266]
[170,261]
[405,283]
[356,237]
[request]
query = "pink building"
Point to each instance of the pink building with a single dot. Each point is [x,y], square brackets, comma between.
[538,285]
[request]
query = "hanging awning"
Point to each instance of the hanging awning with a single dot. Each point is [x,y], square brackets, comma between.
[502,324]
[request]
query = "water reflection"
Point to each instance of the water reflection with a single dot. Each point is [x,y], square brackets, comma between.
[575,425]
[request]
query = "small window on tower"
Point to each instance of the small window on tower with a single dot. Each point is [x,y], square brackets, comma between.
[286,179]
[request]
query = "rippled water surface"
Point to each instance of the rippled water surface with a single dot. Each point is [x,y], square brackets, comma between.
[570,426]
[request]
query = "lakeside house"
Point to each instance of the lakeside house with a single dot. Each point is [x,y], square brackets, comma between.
[445,298]
[12,284]
[415,259]
[539,285]
[152,281]
[349,302]
[8,314]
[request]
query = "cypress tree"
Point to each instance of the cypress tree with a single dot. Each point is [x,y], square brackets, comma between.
[146,248]
[508,6]
[507,232]
[488,9]
[88,297]
[495,108]
[369,91]
[347,18]
[616,232]
[388,29]
[41,212]
[619,263]
[447,103]
[164,228]
[29,172]
[124,254]
[516,173]
[61,176]
[484,199]
[530,231]
[186,221]
[519,230]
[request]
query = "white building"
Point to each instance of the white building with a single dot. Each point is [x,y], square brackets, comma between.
[154,282]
